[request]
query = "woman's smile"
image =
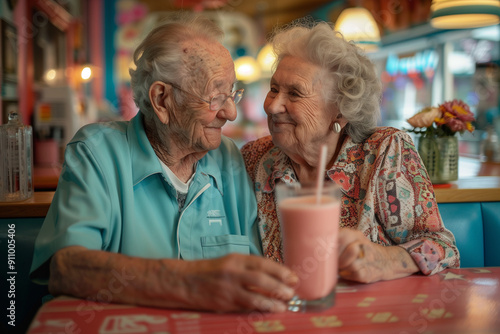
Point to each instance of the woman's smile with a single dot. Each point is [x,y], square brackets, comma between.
[281,122]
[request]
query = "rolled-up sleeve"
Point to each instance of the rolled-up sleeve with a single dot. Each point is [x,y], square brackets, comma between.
[407,208]
[80,211]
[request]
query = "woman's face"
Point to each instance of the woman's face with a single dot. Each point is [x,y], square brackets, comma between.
[298,116]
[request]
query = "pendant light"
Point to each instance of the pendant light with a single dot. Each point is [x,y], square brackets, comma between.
[266,59]
[358,25]
[464,14]
[247,69]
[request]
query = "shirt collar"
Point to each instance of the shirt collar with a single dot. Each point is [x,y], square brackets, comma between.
[277,166]
[355,166]
[145,162]
[344,172]
[208,166]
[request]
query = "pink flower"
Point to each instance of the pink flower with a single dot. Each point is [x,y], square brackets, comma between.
[456,116]
[458,109]
[456,125]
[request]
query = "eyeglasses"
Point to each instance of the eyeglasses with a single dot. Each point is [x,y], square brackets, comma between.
[216,102]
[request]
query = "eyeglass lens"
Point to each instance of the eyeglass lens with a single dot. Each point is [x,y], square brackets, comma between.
[218,100]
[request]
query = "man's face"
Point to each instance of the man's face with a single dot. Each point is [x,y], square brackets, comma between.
[211,70]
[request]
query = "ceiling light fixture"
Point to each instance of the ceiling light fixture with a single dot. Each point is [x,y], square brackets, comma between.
[464,14]
[266,59]
[358,25]
[247,69]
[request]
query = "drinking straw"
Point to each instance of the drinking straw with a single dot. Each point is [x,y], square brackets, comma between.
[321,171]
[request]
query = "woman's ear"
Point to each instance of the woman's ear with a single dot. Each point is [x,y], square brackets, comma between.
[159,93]
[341,120]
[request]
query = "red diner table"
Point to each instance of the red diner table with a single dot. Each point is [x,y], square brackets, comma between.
[453,301]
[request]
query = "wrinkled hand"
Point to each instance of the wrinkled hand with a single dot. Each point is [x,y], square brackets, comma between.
[239,282]
[364,261]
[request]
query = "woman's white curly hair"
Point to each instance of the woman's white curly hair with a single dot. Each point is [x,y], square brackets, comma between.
[357,87]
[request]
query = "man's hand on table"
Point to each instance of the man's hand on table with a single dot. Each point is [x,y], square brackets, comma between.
[240,283]
[232,283]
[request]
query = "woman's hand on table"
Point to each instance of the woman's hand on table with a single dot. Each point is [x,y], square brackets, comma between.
[364,261]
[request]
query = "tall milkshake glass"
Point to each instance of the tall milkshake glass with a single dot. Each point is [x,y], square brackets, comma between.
[309,231]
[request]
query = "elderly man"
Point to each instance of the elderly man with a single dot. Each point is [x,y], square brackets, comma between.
[159,211]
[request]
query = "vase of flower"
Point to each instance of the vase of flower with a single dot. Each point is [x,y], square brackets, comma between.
[438,144]
[440,157]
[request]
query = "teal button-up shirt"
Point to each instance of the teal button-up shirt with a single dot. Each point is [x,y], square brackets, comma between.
[113,195]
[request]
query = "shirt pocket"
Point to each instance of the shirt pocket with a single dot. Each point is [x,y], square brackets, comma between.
[220,245]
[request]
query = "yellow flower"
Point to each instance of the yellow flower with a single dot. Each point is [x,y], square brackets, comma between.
[440,121]
[460,110]
[469,126]
[449,115]
[425,118]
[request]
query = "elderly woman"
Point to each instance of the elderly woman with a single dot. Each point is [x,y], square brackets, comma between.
[325,90]
[159,211]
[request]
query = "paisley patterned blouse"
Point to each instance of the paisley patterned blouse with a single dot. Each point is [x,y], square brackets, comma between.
[387,195]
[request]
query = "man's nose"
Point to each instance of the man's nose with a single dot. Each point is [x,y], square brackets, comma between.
[228,110]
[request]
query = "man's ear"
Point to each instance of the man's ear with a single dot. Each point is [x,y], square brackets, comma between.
[159,94]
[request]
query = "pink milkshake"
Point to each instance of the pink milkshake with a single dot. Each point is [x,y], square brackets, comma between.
[309,232]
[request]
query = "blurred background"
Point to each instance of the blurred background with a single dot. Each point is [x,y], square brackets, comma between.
[64,63]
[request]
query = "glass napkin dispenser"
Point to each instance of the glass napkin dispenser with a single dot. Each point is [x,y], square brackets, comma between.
[16,160]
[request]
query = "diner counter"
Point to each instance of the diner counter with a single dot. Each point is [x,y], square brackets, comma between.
[471,189]
[34,207]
